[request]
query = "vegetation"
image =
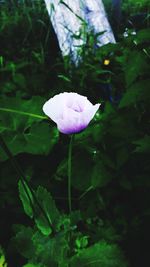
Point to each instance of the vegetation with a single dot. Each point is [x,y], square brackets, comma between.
[109,222]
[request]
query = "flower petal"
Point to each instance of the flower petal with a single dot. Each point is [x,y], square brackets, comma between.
[70,111]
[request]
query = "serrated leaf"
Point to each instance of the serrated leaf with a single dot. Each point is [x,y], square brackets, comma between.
[40,250]
[51,212]
[101,254]
[50,251]
[26,198]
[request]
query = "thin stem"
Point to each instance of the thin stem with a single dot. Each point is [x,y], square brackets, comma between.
[69,173]
[24,113]
[86,191]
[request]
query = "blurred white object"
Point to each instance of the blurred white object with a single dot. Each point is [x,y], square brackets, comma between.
[128,32]
[69,17]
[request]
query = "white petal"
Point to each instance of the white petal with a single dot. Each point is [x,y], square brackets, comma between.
[90,113]
[54,106]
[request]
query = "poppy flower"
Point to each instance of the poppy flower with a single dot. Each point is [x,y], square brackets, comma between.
[70,111]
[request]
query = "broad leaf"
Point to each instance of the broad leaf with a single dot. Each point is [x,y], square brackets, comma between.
[16,112]
[50,251]
[23,242]
[99,255]
[23,128]
[41,250]
[37,139]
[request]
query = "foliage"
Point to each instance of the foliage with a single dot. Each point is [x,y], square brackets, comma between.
[42,247]
[25,131]
[99,254]
[2,259]
[110,164]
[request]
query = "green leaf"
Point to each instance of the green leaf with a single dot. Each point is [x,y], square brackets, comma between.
[50,251]
[136,65]
[81,242]
[137,92]
[48,205]
[23,128]
[100,176]
[43,225]
[99,255]
[3,262]
[19,111]
[37,139]
[41,250]
[63,77]
[143,36]
[143,145]
[41,138]
[23,242]
[26,198]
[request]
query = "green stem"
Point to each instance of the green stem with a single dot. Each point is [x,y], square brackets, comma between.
[23,113]
[69,173]
[86,191]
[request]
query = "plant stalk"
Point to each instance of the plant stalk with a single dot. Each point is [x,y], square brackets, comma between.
[70,172]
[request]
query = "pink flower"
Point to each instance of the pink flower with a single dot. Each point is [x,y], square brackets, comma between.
[70,111]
